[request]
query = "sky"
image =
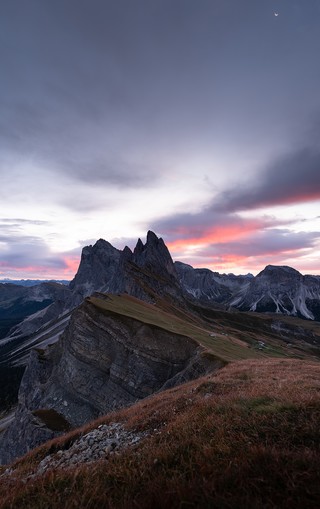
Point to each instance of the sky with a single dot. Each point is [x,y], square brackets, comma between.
[197,119]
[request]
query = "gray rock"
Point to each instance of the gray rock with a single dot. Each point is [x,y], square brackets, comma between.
[82,451]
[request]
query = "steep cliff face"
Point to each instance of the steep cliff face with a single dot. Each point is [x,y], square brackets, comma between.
[104,360]
[155,257]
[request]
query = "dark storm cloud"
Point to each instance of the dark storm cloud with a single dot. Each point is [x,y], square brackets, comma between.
[70,91]
[192,225]
[101,90]
[116,172]
[294,178]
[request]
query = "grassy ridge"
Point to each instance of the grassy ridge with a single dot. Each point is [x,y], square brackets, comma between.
[226,347]
[246,437]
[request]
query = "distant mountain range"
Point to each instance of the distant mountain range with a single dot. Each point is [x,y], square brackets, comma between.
[276,289]
[33,282]
[134,322]
[18,302]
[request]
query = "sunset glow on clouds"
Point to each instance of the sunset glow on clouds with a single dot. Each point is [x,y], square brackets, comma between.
[221,238]
[192,119]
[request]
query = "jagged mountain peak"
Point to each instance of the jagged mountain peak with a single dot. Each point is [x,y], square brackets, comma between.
[152,241]
[126,253]
[152,238]
[105,245]
[280,289]
[100,248]
[139,247]
[148,271]
[154,255]
[149,274]
[105,268]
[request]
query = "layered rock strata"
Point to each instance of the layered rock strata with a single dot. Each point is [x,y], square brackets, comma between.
[103,361]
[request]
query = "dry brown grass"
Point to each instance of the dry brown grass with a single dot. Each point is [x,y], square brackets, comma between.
[246,437]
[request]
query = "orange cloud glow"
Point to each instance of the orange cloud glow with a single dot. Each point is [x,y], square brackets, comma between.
[215,235]
[69,266]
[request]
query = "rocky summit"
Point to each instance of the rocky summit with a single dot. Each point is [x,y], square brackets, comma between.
[146,271]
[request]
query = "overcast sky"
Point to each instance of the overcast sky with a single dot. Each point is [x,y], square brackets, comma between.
[197,119]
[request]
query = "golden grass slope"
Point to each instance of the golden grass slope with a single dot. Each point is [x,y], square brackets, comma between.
[227,336]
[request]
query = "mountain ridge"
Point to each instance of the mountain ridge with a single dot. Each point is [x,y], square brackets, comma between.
[105,268]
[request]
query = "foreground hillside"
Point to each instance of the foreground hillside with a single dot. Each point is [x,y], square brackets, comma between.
[246,436]
[118,349]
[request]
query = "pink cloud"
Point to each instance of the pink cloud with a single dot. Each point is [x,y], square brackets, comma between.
[71,265]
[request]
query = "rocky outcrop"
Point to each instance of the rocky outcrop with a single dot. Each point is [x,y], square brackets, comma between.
[143,273]
[99,444]
[148,273]
[103,361]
